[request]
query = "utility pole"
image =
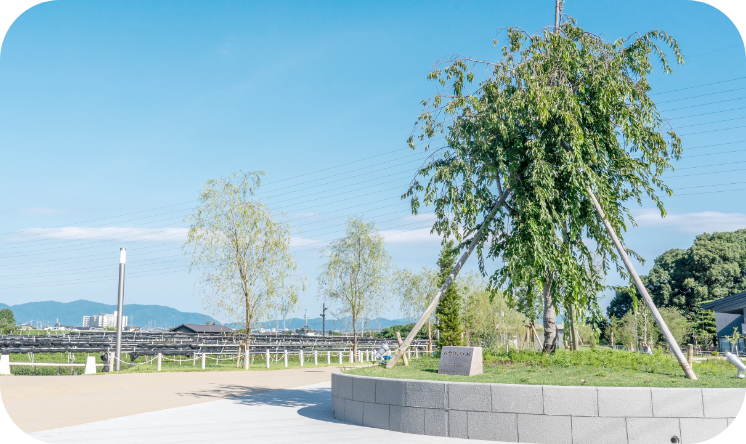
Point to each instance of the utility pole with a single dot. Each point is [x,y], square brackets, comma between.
[306,326]
[557,14]
[323,319]
[120,306]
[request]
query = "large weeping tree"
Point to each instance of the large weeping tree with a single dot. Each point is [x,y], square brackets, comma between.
[542,155]
[242,250]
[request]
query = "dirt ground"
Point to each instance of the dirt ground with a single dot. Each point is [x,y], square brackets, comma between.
[38,403]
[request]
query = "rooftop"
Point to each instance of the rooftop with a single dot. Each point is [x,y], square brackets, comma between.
[734,304]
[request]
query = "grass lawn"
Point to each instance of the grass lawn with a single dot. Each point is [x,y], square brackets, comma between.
[168,365]
[586,367]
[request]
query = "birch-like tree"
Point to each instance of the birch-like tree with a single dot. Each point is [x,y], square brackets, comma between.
[242,250]
[415,292]
[356,275]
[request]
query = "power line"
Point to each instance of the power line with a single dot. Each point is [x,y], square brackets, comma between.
[712,131]
[218,171]
[701,95]
[710,123]
[707,166]
[703,104]
[708,192]
[715,154]
[712,112]
[704,174]
[711,185]
[697,86]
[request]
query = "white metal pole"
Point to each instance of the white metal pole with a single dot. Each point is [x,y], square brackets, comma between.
[340,357]
[267,358]
[203,361]
[300,356]
[160,358]
[315,357]
[329,357]
[120,305]
[286,359]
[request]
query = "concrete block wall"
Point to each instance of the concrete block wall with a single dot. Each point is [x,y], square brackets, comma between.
[533,413]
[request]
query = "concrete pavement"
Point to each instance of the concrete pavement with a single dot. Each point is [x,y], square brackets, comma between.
[297,415]
[38,403]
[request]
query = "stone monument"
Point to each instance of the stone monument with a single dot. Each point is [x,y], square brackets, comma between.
[464,361]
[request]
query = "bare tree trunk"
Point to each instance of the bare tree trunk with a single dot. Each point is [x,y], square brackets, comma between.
[550,317]
[574,328]
[429,337]
[354,338]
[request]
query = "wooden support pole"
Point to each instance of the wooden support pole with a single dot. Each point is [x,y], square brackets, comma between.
[398,339]
[451,277]
[644,292]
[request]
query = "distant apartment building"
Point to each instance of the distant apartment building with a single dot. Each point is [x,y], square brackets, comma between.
[103,320]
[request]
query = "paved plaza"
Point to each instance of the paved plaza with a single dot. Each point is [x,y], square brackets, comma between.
[301,414]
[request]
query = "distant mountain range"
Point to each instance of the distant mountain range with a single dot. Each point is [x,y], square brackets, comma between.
[150,316]
[71,313]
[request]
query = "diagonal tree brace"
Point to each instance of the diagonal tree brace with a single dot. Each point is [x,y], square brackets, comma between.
[451,277]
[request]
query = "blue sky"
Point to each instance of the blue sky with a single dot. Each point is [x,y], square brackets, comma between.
[114,114]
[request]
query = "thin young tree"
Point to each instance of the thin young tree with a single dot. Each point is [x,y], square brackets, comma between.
[355,277]
[558,136]
[242,250]
[415,291]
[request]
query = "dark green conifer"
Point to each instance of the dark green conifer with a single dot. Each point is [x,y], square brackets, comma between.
[449,311]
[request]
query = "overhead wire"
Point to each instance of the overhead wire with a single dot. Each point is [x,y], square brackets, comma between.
[416,154]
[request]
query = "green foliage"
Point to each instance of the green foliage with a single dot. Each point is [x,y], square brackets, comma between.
[712,268]
[242,251]
[599,367]
[390,332]
[355,276]
[733,340]
[416,290]
[489,320]
[450,308]
[560,114]
[7,321]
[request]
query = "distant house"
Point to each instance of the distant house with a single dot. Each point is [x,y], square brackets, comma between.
[25,327]
[132,328]
[194,328]
[306,331]
[730,313]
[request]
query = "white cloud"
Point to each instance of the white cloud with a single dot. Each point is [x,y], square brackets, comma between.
[423,217]
[705,221]
[420,236]
[108,233]
[302,242]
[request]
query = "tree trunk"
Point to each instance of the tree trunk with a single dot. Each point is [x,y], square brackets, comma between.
[354,338]
[574,328]
[550,317]
[429,337]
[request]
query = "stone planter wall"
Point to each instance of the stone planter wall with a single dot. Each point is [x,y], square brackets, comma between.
[535,413]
